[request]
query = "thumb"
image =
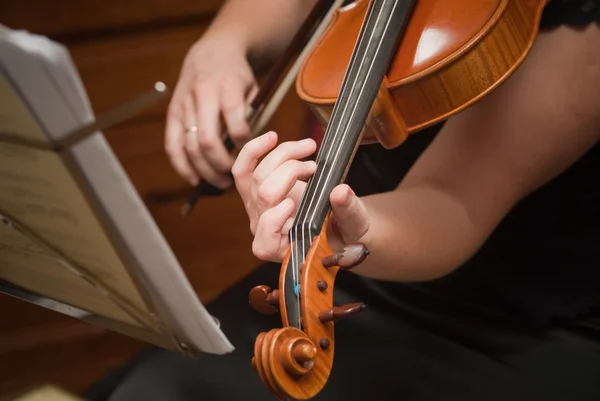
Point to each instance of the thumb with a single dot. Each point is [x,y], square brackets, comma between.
[351,218]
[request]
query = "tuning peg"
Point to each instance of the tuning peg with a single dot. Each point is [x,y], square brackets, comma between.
[340,312]
[352,256]
[264,300]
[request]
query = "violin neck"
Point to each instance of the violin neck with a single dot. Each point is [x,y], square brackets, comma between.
[377,41]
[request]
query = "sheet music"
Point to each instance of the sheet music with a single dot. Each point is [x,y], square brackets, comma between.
[38,191]
[15,119]
[42,85]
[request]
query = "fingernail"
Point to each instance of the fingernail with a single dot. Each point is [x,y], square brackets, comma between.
[285,203]
[306,142]
[349,195]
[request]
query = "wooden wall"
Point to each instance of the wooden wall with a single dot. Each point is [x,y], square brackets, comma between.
[121,48]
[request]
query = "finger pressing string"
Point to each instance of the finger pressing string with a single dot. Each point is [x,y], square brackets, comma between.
[284,152]
[250,154]
[278,185]
[269,243]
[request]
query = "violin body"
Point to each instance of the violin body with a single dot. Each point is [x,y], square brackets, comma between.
[453,53]
[382,70]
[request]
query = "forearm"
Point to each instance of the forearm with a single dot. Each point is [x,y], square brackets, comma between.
[263,28]
[417,234]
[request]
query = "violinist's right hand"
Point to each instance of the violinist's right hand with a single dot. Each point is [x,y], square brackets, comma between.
[216,79]
[217,83]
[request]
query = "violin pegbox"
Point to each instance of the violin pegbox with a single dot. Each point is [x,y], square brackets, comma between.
[295,364]
[318,278]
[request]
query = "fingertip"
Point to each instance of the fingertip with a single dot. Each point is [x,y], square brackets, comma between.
[271,136]
[258,146]
[312,163]
[286,204]
[308,143]
[341,195]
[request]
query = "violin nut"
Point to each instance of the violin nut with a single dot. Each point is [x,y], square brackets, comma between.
[353,255]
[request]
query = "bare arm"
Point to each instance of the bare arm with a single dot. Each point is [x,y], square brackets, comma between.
[486,159]
[262,27]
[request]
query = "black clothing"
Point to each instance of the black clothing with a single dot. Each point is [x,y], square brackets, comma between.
[516,322]
[542,263]
[575,13]
[462,353]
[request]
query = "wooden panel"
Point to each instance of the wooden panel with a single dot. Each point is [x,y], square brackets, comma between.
[115,71]
[74,362]
[120,49]
[74,20]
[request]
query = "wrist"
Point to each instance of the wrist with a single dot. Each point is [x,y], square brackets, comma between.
[232,41]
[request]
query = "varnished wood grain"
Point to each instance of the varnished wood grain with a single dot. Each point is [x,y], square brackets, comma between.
[279,353]
[466,78]
[479,52]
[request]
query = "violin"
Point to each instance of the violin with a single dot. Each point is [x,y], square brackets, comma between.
[382,70]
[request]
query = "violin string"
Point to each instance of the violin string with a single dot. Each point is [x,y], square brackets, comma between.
[336,4]
[294,234]
[326,174]
[338,127]
[327,146]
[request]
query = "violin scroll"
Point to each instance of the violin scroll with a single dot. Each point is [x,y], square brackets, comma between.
[295,363]
[285,359]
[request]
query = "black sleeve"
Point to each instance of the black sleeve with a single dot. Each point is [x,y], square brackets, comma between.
[570,12]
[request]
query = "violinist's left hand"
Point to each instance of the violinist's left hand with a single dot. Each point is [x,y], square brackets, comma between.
[272,190]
